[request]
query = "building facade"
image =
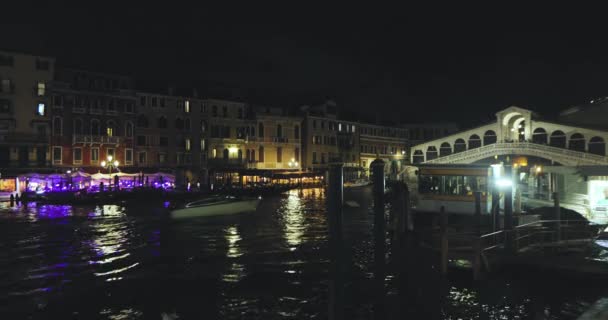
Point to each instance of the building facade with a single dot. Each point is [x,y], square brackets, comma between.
[24,109]
[92,119]
[320,138]
[383,142]
[171,132]
[278,142]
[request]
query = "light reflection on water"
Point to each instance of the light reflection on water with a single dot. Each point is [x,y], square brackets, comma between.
[128,262]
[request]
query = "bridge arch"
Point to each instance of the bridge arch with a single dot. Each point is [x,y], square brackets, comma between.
[539,136]
[576,142]
[489,137]
[558,139]
[597,146]
[474,141]
[460,145]
[445,149]
[418,156]
[431,153]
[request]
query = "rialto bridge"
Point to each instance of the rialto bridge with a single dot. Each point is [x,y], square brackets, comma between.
[516,132]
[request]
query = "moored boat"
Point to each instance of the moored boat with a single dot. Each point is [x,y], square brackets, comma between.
[216,206]
[357,183]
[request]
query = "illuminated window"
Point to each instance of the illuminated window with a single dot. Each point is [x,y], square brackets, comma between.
[187,106]
[214,153]
[339,127]
[162,158]
[203,145]
[187,144]
[41,111]
[41,89]
[110,131]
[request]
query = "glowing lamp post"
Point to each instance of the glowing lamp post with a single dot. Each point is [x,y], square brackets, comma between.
[110,165]
[293,163]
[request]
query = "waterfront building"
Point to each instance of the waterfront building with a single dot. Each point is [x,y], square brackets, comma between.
[320,138]
[170,133]
[92,118]
[278,143]
[25,109]
[420,132]
[388,143]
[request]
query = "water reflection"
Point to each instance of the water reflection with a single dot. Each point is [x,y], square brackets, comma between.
[292,215]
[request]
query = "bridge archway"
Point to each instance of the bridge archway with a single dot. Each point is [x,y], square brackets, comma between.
[418,156]
[474,141]
[431,153]
[539,136]
[489,137]
[558,139]
[597,146]
[445,149]
[460,145]
[577,142]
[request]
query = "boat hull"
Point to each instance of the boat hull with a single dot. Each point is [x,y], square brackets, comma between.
[216,209]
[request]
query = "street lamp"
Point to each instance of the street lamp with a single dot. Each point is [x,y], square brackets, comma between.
[110,165]
[293,163]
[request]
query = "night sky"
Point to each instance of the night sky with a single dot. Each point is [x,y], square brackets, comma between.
[412,64]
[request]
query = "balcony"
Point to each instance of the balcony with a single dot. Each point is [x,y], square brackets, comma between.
[88,139]
[96,111]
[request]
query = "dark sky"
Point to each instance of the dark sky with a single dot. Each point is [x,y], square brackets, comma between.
[411,64]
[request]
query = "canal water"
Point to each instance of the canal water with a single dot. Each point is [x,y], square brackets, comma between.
[130,262]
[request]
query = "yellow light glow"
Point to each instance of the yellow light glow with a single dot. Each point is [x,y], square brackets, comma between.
[103,163]
[116,163]
[233,149]
[110,158]
[539,169]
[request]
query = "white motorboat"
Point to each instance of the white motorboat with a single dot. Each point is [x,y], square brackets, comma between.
[357,183]
[216,206]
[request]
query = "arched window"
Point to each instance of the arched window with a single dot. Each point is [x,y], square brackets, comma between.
[129,129]
[142,121]
[261,153]
[460,145]
[431,153]
[203,126]
[162,122]
[77,126]
[57,126]
[577,142]
[539,136]
[474,142]
[110,128]
[226,155]
[558,139]
[240,155]
[252,155]
[248,155]
[252,131]
[296,132]
[94,127]
[597,146]
[445,149]
[279,130]
[489,137]
[179,123]
[187,125]
[261,130]
[418,156]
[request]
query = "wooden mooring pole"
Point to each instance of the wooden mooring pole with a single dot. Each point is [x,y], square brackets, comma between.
[335,198]
[558,217]
[443,240]
[477,238]
[379,238]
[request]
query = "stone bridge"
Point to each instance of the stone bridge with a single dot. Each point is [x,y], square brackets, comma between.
[515,132]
